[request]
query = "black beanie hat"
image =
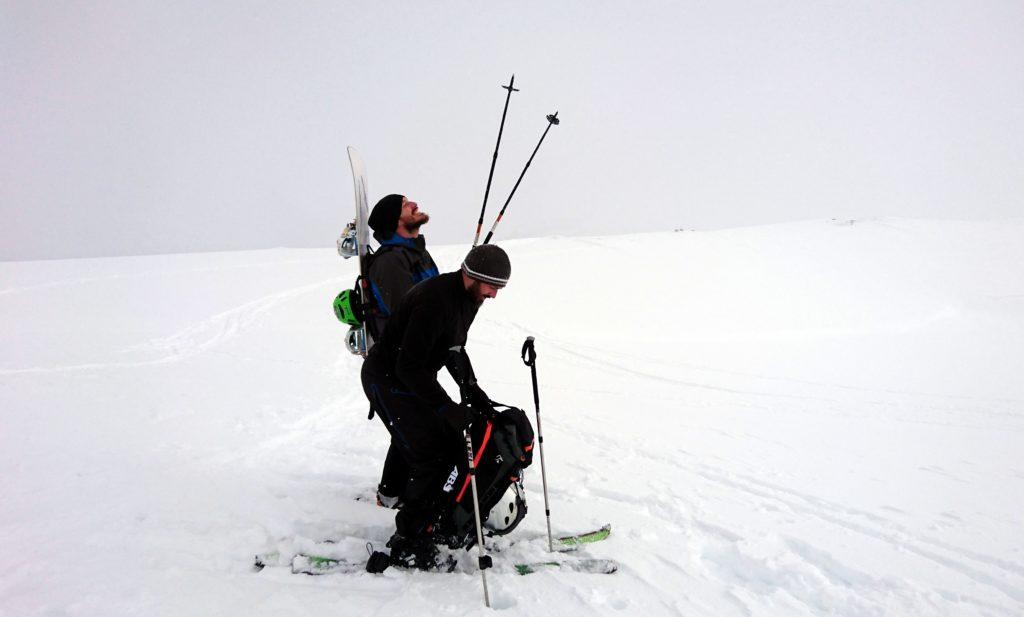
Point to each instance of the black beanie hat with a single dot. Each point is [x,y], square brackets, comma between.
[488,263]
[384,217]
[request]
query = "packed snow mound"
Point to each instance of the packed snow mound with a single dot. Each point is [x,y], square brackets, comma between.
[798,419]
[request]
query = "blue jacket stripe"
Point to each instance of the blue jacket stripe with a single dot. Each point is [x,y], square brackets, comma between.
[380,301]
[422,275]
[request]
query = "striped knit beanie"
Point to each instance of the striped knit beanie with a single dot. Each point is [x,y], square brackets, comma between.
[488,263]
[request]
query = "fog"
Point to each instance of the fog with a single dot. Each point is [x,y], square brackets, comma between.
[147,127]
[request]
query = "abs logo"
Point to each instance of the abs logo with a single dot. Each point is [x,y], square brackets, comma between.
[452,477]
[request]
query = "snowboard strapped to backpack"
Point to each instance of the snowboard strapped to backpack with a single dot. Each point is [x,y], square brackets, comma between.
[357,307]
[354,243]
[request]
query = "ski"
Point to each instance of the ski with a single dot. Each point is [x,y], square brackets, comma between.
[272,558]
[320,564]
[588,537]
[317,565]
[592,566]
[566,543]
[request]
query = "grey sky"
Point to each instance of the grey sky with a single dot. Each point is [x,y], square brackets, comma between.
[152,127]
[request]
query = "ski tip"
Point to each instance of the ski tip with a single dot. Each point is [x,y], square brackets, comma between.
[586,566]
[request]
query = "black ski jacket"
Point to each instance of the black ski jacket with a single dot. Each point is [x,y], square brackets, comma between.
[427,331]
[398,264]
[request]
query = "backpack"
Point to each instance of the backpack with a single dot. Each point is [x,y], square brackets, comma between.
[355,308]
[502,449]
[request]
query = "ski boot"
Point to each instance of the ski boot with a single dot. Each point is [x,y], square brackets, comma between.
[411,553]
[384,501]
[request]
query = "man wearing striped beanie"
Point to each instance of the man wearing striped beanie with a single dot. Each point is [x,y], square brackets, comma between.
[486,270]
[427,331]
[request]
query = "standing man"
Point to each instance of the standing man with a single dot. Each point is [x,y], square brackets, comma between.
[401,261]
[428,330]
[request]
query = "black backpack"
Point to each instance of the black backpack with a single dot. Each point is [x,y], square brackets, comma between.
[367,311]
[502,448]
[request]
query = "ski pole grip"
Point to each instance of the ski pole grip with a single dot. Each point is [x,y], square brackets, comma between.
[529,353]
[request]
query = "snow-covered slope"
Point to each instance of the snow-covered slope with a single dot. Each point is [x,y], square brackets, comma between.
[802,419]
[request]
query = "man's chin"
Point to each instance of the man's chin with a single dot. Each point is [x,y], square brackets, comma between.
[416,224]
[475,293]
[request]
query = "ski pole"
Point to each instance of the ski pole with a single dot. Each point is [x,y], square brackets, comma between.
[552,120]
[484,560]
[501,127]
[530,359]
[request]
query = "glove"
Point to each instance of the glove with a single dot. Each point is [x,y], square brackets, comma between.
[474,395]
[458,415]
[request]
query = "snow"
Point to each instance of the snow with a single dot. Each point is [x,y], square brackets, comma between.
[809,418]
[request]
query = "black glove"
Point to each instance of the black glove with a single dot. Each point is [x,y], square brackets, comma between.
[474,395]
[458,416]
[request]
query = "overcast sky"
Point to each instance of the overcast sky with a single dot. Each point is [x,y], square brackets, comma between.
[154,127]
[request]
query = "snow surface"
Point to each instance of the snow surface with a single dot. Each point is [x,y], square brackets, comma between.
[801,419]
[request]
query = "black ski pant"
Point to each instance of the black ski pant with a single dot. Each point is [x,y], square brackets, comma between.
[395,475]
[423,441]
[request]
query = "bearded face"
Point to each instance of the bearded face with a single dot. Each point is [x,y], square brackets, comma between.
[412,218]
[481,291]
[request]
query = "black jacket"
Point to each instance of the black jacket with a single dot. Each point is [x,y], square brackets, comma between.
[427,331]
[397,265]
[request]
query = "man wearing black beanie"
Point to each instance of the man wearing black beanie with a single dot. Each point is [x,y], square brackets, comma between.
[427,331]
[401,261]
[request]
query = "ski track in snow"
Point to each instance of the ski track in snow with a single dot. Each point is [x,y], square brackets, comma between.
[672,452]
[149,274]
[228,324]
[763,494]
[200,337]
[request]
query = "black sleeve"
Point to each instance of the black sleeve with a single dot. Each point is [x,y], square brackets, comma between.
[390,277]
[460,368]
[411,367]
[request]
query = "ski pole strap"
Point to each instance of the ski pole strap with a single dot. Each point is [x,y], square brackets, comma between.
[529,354]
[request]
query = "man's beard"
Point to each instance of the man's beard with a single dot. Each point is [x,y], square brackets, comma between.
[475,293]
[418,220]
